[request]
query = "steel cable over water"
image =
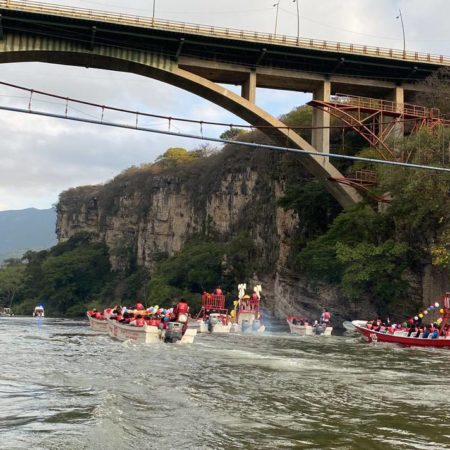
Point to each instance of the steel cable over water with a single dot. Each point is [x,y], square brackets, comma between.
[227,141]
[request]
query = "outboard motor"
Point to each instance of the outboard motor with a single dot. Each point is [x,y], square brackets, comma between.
[246,326]
[174,332]
[320,328]
[256,325]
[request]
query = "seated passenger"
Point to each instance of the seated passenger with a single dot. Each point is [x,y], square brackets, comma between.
[435,334]
[138,321]
[426,332]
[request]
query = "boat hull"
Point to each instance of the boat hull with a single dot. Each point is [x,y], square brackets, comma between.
[307,330]
[398,338]
[100,326]
[143,335]
[202,327]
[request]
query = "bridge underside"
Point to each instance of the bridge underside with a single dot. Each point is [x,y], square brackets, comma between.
[25,48]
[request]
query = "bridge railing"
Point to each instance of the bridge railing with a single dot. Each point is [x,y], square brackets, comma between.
[385,106]
[221,32]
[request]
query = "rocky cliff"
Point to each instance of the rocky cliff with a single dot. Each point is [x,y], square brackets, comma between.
[148,213]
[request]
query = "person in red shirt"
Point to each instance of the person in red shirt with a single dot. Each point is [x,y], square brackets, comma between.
[138,322]
[326,316]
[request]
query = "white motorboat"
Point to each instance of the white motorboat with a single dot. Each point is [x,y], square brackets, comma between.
[148,334]
[5,312]
[145,335]
[302,327]
[101,326]
[213,316]
[39,311]
[247,311]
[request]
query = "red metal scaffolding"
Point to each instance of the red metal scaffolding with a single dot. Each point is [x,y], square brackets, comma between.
[376,120]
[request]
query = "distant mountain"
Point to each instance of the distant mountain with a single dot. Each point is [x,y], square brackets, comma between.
[26,229]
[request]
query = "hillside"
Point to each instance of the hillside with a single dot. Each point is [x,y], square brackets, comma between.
[27,229]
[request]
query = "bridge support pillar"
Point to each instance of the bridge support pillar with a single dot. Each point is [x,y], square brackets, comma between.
[321,119]
[397,95]
[249,87]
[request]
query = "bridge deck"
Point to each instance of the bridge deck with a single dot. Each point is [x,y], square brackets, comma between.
[225,33]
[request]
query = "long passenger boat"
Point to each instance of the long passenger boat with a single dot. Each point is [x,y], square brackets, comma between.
[401,337]
[145,335]
[99,325]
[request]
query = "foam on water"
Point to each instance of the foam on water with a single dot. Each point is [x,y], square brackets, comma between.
[64,387]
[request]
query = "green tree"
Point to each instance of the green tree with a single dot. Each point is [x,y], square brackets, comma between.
[232,134]
[176,156]
[11,281]
[374,270]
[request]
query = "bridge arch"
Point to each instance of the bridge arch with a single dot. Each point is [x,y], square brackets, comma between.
[27,48]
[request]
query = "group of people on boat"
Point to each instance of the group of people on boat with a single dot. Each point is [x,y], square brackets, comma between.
[324,321]
[414,328]
[139,316]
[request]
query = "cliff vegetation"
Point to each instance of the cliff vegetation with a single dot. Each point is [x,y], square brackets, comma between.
[197,219]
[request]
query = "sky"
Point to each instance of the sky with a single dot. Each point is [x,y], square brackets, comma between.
[41,157]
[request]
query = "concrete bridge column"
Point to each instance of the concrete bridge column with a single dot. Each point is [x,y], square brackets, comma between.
[249,87]
[321,136]
[397,95]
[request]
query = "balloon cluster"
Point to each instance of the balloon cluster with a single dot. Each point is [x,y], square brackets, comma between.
[155,311]
[431,308]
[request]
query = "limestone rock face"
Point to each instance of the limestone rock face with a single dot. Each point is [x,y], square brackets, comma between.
[145,214]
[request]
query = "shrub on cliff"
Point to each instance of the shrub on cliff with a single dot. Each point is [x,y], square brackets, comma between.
[371,254]
[202,265]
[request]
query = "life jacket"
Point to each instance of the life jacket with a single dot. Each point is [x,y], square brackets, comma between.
[98,316]
[326,316]
[118,317]
[218,291]
[182,308]
[140,322]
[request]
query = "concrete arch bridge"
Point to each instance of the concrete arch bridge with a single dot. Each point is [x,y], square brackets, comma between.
[197,58]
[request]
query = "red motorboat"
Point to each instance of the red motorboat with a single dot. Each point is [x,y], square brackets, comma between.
[400,337]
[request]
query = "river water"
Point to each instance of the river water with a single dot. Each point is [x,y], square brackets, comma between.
[65,387]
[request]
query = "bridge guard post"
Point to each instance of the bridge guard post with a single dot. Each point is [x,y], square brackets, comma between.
[397,95]
[321,119]
[249,87]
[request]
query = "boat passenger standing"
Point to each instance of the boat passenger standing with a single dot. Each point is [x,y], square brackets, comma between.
[181,311]
[326,317]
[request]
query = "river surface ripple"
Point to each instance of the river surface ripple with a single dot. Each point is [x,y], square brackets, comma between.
[65,387]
